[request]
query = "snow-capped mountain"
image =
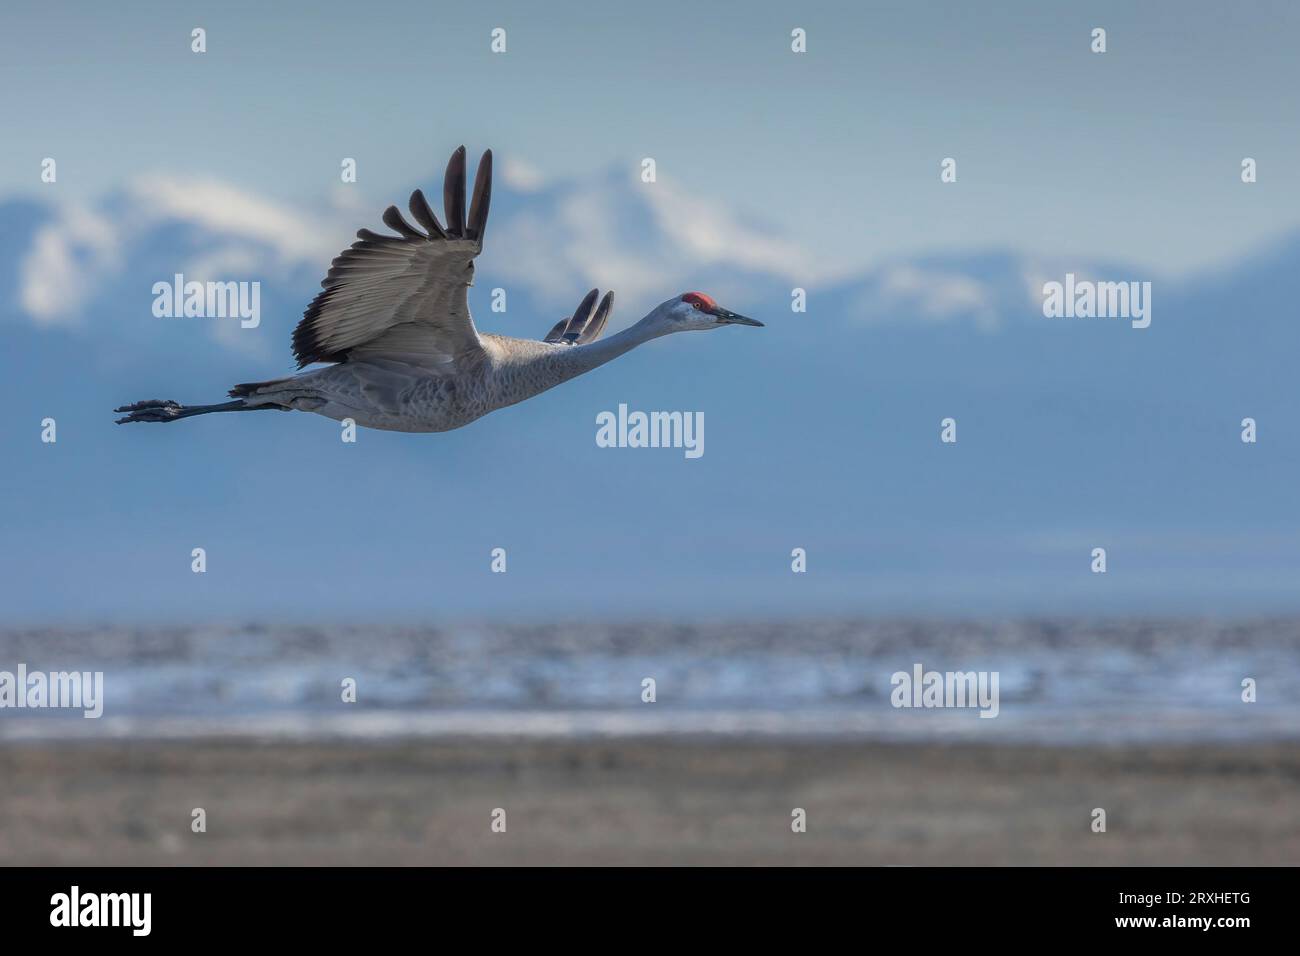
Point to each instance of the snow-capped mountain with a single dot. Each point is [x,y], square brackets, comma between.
[823,428]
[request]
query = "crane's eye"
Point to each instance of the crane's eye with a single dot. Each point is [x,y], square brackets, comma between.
[697,305]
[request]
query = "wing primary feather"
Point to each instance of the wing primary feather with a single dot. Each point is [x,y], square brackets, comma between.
[478,207]
[580,316]
[424,215]
[393,220]
[597,324]
[556,335]
[403,293]
[453,194]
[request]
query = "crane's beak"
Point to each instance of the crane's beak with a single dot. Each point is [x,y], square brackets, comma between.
[726,317]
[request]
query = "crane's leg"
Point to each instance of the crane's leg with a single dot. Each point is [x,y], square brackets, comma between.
[158,410]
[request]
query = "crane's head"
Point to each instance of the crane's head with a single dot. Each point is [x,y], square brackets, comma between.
[695,310]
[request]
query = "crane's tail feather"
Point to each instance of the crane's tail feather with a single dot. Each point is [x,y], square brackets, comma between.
[248,389]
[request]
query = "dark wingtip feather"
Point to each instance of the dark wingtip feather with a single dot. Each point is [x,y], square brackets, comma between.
[593,328]
[393,220]
[556,335]
[580,316]
[482,201]
[453,194]
[424,215]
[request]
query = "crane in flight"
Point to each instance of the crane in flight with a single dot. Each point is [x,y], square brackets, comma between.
[393,323]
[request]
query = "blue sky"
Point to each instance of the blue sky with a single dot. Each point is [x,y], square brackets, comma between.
[1132,154]
[776,170]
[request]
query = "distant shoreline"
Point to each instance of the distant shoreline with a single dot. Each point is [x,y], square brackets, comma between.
[1082,728]
[1057,682]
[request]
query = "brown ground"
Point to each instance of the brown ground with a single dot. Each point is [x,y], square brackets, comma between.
[645,802]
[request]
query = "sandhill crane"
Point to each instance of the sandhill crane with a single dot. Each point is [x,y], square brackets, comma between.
[393,321]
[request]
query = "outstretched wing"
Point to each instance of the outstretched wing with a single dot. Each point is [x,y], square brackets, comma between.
[583,326]
[405,295]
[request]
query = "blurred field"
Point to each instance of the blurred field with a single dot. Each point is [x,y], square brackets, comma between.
[645,801]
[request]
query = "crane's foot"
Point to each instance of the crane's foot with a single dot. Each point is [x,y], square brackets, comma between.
[155,410]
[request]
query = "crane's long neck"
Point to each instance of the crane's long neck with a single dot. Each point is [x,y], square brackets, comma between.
[583,358]
[538,368]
